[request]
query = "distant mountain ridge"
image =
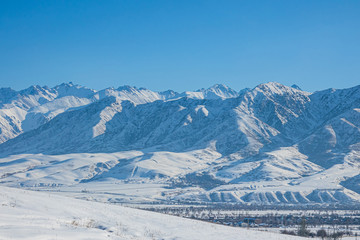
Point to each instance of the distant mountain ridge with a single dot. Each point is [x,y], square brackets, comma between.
[24,110]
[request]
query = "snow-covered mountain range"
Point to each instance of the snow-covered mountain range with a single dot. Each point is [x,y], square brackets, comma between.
[270,144]
[21,111]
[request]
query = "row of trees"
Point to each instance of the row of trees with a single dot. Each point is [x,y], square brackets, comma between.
[322,233]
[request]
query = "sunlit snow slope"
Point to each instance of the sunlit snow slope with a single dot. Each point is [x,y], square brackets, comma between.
[34,215]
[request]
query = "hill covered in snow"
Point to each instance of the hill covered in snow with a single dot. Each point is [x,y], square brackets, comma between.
[34,215]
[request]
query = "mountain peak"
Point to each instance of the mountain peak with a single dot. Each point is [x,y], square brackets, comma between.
[270,85]
[219,86]
[127,88]
[276,88]
[218,91]
[6,94]
[68,89]
[296,87]
[33,90]
[69,84]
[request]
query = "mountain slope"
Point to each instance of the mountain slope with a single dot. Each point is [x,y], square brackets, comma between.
[30,108]
[113,125]
[66,218]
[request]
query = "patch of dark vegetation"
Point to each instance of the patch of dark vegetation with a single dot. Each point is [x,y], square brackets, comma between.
[323,234]
[203,180]
[288,232]
[324,224]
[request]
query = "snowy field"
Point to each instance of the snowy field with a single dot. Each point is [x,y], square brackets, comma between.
[35,215]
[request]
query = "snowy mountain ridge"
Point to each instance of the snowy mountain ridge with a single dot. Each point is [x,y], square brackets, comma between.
[272,144]
[21,111]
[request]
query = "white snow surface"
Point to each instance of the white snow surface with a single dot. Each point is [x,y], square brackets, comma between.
[35,215]
[280,177]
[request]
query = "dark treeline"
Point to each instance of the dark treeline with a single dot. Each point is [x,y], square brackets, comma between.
[329,223]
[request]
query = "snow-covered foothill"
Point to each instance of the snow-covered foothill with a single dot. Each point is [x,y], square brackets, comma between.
[35,215]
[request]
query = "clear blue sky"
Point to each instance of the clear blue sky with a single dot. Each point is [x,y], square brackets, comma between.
[180,45]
